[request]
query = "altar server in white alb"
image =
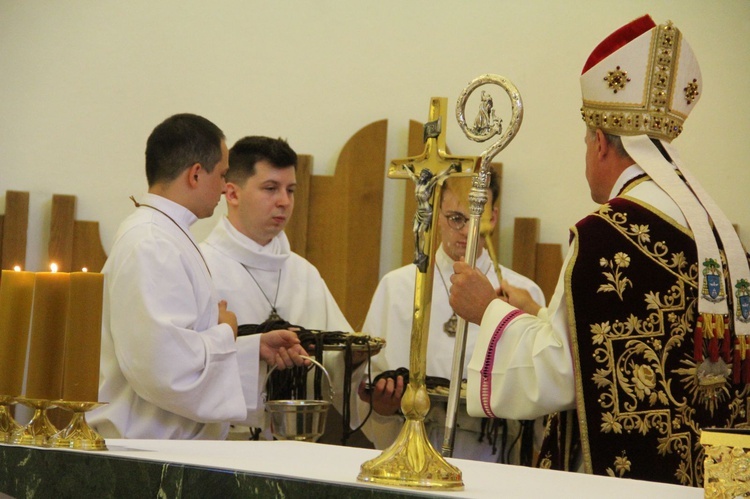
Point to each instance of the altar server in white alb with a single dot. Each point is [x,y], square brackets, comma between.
[390,316]
[251,260]
[646,333]
[171,365]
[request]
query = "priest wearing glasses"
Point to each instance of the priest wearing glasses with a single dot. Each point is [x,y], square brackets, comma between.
[390,317]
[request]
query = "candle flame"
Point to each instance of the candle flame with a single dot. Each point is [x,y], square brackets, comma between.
[53,267]
[84,269]
[17,268]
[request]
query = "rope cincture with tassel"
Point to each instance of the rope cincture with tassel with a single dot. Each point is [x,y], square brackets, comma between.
[715,329]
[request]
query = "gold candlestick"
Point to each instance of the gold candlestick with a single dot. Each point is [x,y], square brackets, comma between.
[39,429]
[8,425]
[78,434]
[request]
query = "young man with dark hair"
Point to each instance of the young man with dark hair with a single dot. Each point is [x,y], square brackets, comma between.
[171,365]
[252,261]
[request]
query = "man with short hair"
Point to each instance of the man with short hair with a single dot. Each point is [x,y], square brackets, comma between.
[643,343]
[390,316]
[251,260]
[171,365]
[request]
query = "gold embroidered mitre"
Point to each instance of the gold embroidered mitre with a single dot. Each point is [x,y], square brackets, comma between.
[642,79]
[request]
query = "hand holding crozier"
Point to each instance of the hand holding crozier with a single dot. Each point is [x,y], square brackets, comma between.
[471,292]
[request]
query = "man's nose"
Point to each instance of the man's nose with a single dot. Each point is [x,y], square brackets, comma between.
[284,199]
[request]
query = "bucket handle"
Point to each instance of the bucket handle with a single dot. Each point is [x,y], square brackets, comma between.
[317,364]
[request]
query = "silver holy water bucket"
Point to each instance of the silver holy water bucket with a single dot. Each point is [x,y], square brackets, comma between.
[303,420]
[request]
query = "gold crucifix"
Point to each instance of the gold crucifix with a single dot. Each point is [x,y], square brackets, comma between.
[411,459]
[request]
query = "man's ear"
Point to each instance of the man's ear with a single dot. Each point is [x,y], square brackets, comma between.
[231,194]
[493,218]
[192,176]
[602,145]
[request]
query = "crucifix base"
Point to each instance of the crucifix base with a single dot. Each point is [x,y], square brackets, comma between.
[411,461]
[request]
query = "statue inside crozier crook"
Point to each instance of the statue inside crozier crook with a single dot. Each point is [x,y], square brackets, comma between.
[411,460]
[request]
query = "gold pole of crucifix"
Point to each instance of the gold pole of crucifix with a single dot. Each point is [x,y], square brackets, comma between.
[411,460]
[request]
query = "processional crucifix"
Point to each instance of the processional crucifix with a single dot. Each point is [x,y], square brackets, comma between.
[411,460]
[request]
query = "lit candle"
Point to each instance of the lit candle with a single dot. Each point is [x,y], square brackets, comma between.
[16,292]
[83,338]
[49,316]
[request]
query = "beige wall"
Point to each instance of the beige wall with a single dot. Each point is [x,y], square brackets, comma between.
[82,83]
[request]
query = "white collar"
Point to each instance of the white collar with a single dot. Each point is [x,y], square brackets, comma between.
[445,263]
[181,215]
[626,176]
[226,239]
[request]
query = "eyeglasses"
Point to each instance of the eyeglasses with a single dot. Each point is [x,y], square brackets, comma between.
[456,221]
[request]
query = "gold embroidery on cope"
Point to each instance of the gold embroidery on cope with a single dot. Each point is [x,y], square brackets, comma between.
[622,466]
[617,282]
[636,389]
[635,394]
[675,263]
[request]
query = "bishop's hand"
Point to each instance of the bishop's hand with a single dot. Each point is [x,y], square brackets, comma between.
[471,292]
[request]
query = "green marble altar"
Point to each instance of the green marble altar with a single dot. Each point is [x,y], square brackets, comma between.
[27,472]
[279,469]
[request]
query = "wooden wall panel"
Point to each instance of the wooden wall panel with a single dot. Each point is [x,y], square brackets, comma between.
[87,247]
[73,244]
[525,239]
[328,235]
[296,229]
[549,261]
[61,231]
[14,228]
[344,221]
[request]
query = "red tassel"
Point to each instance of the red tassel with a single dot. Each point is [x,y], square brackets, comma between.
[736,365]
[698,341]
[713,349]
